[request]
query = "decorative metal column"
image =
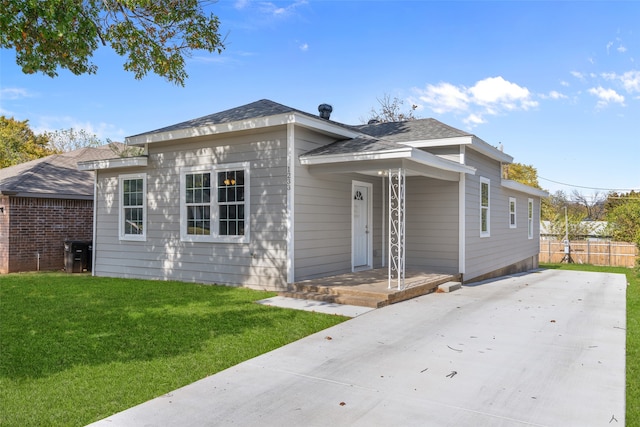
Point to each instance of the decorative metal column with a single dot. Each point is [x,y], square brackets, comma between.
[396,227]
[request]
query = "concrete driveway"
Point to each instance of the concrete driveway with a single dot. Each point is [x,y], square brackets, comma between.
[541,349]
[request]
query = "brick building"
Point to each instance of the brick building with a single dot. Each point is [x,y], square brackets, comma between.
[43,203]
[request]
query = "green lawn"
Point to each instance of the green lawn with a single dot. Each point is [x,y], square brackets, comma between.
[633,333]
[75,349]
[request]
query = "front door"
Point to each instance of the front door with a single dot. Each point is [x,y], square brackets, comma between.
[361,225]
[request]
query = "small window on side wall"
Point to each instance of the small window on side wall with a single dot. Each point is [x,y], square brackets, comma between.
[530,218]
[512,212]
[133,206]
[485,207]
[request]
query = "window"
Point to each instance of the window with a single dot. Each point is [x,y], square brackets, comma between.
[133,207]
[530,218]
[512,212]
[485,213]
[215,203]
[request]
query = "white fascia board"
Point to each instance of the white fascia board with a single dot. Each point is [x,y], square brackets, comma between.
[408,153]
[440,142]
[438,162]
[124,162]
[474,142]
[523,188]
[396,153]
[490,151]
[237,126]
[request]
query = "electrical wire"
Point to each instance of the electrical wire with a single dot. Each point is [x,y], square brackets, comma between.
[589,188]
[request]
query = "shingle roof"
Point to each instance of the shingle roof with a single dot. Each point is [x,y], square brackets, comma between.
[412,130]
[55,176]
[261,108]
[360,144]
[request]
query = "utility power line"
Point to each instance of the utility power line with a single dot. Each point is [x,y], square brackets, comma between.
[589,188]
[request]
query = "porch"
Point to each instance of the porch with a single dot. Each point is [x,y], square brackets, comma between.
[368,288]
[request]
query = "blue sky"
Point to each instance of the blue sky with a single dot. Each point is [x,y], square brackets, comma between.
[556,83]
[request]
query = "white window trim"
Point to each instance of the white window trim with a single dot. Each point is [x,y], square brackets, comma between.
[121,234]
[512,214]
[530,218]
[487,181]
[214,237]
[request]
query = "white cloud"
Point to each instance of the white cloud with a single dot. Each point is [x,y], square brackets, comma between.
[578,75]
[490,96]
[609,45]
[271,8]
[445,98]
[554,95]
[606,96]
[621,49]
[564,83]
[630,80]
[304,47]
[496,93]
[13,93]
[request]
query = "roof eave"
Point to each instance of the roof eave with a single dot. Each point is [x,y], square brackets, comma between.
[410,153]
[242,125]
[119,163]
[523,188]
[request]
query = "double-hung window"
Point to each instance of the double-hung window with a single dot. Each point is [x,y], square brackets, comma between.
[485,212]
[133,206]
[512,212]
[215,203]
[530,218]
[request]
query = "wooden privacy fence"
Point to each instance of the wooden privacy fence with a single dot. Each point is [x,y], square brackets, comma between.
[615,254]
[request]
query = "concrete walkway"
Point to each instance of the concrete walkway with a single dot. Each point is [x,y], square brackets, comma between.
[541,349]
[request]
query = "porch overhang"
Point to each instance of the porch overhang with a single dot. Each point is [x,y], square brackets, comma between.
[414,161]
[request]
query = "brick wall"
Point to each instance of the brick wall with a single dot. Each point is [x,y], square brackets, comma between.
[41,226]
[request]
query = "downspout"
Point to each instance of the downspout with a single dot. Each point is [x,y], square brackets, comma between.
[95,222]
[384,223]
[462,220]
[290,217]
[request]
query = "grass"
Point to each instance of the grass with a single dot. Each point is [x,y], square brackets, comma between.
[75,349]
[633,334]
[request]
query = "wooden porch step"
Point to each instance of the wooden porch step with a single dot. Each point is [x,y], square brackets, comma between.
[359,300]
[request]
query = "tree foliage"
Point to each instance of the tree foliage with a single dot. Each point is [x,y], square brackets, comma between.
[153,35]
[71,139]
[391,110]
[525,174]
[624,218]
[19,144]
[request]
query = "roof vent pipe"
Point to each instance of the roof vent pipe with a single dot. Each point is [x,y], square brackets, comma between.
[325,111]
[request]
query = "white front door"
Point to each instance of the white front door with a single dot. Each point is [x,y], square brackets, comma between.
[361,225]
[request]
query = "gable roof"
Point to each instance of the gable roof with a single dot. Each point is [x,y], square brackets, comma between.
[55,176]
[235,119]
[412,130]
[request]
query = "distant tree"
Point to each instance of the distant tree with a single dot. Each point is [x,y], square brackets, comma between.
[153,35]
[525,174]
[390,110]
[19,144]
[594,205]
[624,219]
[572,225]
[71,139]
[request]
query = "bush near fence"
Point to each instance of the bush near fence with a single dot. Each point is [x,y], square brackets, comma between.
[615,254]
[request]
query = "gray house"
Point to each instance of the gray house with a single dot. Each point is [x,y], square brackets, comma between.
[264,195]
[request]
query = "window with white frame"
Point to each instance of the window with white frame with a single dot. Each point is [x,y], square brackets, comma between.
[485,207]
[512,212]
[215,203]
[530,218]
[133,206]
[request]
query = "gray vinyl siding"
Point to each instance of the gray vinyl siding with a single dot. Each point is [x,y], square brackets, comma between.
[432,225]
[323,216]
[505,245]
[260,264]
[449,152]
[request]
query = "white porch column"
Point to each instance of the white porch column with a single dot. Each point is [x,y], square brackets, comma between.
[396,228]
